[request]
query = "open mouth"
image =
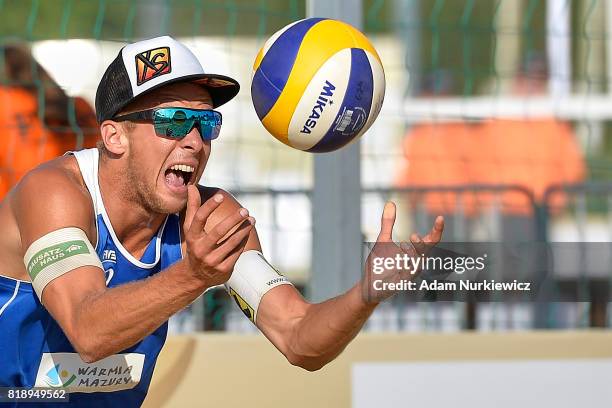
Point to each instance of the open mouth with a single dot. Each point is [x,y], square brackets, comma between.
[178,176]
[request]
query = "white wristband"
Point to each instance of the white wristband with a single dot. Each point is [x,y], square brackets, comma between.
[56,253]
[253,276]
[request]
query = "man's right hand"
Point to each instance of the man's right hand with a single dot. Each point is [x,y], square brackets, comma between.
[212,250]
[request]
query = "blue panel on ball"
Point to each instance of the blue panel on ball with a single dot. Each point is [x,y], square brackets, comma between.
[263,94]
[355,108]
[271,75]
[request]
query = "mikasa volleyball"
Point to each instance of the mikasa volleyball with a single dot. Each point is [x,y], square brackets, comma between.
[318,84]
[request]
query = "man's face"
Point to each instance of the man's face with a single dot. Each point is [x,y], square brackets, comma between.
[154,180]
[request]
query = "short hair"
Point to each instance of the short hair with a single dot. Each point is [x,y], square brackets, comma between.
[104,153]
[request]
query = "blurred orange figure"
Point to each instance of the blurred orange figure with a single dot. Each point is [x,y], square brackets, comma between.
[38,121]
[532,154]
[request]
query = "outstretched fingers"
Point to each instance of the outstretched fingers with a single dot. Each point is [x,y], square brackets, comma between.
[418,244]
[386,223]
[422,245]
[435,235]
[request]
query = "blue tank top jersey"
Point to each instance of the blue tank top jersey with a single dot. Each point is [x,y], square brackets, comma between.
[33,348]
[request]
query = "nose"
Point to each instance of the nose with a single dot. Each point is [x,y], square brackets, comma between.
[193,140]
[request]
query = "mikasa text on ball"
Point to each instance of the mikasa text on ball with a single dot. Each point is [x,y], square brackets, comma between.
[318,84]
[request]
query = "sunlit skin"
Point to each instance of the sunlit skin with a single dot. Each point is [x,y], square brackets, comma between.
[134,176]
[100,321]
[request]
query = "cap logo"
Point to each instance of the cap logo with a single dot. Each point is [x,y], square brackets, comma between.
[151,64]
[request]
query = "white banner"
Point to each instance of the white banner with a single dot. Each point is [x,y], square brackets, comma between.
[484,384]
[69,372]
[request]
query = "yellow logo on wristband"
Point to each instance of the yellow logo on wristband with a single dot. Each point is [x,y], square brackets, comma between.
[243,305]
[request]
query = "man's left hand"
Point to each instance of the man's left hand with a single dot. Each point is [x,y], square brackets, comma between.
[382,261]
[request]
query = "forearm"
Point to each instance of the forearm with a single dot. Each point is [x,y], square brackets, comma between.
[328,327]
[119,317]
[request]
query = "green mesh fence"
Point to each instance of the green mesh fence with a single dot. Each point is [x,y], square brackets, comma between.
[445,61]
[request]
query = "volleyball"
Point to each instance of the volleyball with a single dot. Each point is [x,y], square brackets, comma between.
[318,84]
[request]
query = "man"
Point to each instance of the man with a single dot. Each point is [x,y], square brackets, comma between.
[102,246]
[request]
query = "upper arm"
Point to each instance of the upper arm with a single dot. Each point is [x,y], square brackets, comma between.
[46,200]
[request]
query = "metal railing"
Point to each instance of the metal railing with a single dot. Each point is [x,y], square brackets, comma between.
[475,213]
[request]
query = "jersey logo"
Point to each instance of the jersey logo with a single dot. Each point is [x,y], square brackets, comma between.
[109,255]
[151,64]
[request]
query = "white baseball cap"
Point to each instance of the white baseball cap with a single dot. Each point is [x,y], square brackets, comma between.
[150,64]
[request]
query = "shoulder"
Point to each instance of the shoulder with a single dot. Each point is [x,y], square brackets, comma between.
[207,193]
[52,196]
[57,178]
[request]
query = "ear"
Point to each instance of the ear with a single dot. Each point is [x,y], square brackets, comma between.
[114,137]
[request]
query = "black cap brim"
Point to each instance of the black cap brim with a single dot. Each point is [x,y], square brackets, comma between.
[222,88]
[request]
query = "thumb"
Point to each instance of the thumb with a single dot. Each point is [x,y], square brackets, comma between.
[193,203]
[386,223]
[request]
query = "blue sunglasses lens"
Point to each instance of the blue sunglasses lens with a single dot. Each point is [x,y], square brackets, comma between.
[176,123]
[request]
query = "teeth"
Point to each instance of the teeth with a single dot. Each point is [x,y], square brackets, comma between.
[183,167]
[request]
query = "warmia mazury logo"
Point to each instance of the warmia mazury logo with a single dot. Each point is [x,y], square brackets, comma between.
[152,63]
[58,378]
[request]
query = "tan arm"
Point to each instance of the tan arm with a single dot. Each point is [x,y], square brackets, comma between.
[100,321]
[312,335]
